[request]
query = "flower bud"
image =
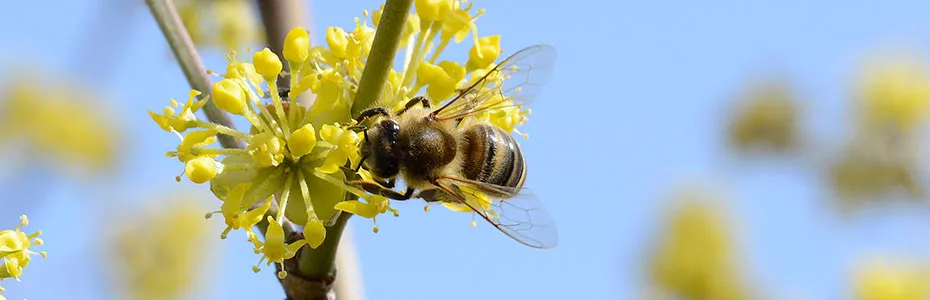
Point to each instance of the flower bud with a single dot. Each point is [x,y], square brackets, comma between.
[267,63]
[302,140]
[297,46]
[201,169]
[229,96]
[337,40]
[433,10]
[314,233]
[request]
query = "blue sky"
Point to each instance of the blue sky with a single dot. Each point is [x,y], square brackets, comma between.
[634,109]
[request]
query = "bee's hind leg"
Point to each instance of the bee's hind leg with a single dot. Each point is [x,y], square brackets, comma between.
[379,189]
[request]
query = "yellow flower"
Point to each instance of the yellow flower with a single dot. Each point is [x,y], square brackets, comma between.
[767,117]
[201,169]
[171,121]
[160,254]
[229,96]
[267,64]
[267,149]
[346,147]
[442,80]
[371,208]
[485,52]
[884,280]
[337,40]
[302,141]
[274,249]
[60,118]
[895,93]
[15,250]
[695,257]
[433,10]
[459,22]
[227,24]
[297,48]
[314,233]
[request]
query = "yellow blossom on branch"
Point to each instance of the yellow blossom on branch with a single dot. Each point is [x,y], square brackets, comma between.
[300,156]
[15,252]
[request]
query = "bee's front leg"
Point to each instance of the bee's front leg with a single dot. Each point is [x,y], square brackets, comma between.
[413,101]
[379,189]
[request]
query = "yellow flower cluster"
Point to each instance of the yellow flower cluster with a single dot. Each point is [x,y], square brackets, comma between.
[299,157]
[59,118]
[695,259]
[884,280]
[883,154]
[228,24]
[161,255]
[14,250]
[286,158]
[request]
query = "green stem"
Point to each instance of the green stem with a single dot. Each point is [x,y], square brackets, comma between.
[381,57]
[184,51]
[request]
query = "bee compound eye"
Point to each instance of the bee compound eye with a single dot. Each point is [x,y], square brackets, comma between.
[390,127]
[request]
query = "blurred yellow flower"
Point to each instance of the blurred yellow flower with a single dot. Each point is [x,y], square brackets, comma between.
[895,93]
[767,117]
[695,257]
[225,24]
[62,119]
[874,164]
[885,280]
[162,254]
[14,250]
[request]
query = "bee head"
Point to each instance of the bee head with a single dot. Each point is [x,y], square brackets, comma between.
[379,151]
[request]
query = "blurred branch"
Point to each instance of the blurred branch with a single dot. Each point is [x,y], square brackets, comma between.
[183,48]
[381,57]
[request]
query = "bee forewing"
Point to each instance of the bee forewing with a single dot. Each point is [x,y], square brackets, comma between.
[524,73]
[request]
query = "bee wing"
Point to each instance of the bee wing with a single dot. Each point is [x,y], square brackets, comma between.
[512,82]
[522,218]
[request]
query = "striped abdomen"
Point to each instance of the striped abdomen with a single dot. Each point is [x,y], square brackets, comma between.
[493,156]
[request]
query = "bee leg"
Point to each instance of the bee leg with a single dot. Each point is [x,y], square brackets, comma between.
[371,112]
[413,101]
[378,189]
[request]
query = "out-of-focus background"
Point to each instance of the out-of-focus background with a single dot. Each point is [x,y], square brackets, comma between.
[712,150]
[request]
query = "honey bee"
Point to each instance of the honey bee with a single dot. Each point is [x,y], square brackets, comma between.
[450,156]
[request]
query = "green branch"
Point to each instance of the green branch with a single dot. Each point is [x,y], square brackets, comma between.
[381,57]
[184,51]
